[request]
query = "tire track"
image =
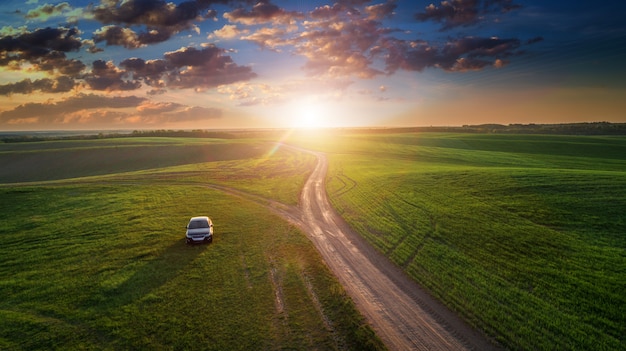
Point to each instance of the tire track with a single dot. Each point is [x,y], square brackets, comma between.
[403,315]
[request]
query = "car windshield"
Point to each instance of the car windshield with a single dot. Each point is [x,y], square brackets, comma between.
[197,224]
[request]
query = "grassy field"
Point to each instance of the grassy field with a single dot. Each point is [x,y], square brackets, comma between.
[92,254]
[525,236]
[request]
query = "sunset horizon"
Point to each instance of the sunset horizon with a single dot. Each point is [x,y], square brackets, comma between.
[218,64]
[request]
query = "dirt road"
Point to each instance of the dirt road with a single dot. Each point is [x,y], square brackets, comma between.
[403,315]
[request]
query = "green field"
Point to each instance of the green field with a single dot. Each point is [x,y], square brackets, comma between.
[92,252]
[524,236]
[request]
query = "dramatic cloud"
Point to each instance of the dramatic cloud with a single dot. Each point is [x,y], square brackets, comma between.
[345,40]
[340,43]
[150,72]
[262,12]
[155,13]
[326,51]
[186,68]
[105,76]
[159,19]
[454,13]
[60,85]
[204,68]
[342,40]
[44,48]
[462,54]
[115,35]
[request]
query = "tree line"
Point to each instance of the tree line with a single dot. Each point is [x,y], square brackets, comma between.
[586,128]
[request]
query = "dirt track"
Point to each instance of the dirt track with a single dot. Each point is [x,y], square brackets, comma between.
[403,315]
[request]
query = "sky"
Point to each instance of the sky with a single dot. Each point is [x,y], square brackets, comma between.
[230,64]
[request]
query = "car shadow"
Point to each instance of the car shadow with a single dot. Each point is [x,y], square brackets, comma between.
[149,276]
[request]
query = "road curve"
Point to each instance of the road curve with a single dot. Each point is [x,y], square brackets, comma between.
[403,315]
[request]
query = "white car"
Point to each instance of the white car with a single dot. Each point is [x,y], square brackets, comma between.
[199,230]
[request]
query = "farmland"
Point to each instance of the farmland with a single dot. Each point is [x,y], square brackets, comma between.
[522,235]
[92,254]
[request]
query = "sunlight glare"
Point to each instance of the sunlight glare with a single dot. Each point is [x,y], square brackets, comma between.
[309,114]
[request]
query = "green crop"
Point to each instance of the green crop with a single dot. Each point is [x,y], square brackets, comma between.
[92,255]
[524,236]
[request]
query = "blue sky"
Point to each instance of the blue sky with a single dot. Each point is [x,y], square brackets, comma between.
[210,64]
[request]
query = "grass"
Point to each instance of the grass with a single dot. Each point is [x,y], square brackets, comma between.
[522,235]
[97,261]
[41,161]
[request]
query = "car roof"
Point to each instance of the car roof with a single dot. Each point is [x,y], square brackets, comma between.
[199,218]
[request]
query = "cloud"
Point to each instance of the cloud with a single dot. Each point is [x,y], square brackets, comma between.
[346,40]
[44,48]
[151,107]
[228,31]
[262,12]
[159,20]
[46,11]
[116,35]
[13,31]
[339,47]
[151,71]
[102,111]
[170,112]
[106,76]
[156,13]
[186,68]
[204,68]
[534,40]
[46,85]
[336,43]
[451,13]
[380,11]
[192,114]
[269,38]
[246,94]
[326,11]
[462,54]
[455,13]
[55,112]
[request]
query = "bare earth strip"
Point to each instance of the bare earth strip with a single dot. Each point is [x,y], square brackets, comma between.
[403,315]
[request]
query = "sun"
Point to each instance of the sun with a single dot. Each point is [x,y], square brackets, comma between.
[309,114]
[310,117]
